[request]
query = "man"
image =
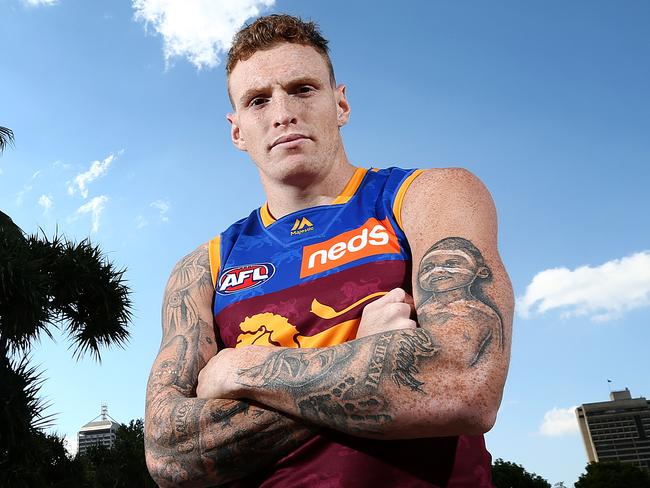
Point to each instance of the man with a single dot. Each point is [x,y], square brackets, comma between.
[290,355]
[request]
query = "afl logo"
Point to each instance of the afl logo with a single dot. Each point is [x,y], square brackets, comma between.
[244,277]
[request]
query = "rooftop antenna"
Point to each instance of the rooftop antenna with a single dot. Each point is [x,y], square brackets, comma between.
[104,415]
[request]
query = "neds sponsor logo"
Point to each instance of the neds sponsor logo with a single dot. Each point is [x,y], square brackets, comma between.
[372,238]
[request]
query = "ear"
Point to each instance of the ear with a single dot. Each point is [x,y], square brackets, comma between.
[483,272]
[342,106]
[235,132]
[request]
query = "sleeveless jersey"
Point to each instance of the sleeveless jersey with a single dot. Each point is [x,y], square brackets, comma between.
[303,281]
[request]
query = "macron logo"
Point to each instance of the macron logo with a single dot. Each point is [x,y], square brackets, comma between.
[301,226]
[372,238]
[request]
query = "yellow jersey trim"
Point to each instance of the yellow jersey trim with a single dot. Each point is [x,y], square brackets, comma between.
[352,187]
[214,254]
[399,197]
[348,192]
[267,218]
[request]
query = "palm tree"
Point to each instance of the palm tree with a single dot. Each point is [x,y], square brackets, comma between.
[6,138]
[47,284]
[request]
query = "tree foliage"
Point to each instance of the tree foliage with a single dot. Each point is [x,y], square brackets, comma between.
[123,466]
[506,474]
[47,284]
[613,474]
[6,138]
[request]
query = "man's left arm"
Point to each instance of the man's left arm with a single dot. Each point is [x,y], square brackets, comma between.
[443,378]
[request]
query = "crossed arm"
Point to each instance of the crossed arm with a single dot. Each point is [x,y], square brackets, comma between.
[443,378]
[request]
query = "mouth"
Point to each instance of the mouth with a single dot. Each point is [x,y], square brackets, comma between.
[286,139]
[440,278]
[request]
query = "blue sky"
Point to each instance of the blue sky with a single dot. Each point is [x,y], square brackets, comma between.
[119,114]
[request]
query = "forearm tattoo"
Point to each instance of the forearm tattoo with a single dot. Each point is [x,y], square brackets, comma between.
[354,387]
[197,442]
[345,386]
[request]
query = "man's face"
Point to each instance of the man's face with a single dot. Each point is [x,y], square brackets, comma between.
[287,113]
[444,270]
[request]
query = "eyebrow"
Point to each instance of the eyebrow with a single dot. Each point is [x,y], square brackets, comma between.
[303,80]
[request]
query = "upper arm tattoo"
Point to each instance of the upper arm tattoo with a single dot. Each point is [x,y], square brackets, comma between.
[355,387]
[450,279]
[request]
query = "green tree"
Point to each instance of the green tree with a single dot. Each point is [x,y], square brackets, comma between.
[123,466]
[47,284]
[506,474]
[613,475]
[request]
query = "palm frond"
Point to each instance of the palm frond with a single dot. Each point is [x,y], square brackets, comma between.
[6,138]
[25,310]
[91,296]
[22,411]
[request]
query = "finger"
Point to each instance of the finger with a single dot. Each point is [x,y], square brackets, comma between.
[396,295]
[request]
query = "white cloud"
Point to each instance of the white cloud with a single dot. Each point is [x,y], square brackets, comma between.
[602,292]
[61,164]
[20,196]
[39,3]
[163,208]
[46,202]
[199,30]
[96,170]
[559,421]
[141,222]
[94,207]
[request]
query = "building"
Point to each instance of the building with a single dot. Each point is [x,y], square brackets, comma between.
[617,430]
[98,432]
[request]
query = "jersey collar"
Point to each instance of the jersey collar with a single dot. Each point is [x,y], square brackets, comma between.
[348,192]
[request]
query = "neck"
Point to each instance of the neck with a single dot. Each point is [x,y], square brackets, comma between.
[311,188]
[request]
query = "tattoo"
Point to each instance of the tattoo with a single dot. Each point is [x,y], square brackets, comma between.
[191,440]
[410,350]
[377,361]
[296,368]
[353,386]
[449,283]
[345,386]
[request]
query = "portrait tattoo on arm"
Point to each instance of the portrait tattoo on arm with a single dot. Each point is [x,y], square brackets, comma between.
[450,278]
[356,387]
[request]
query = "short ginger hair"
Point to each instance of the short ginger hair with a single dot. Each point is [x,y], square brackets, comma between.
[271,30]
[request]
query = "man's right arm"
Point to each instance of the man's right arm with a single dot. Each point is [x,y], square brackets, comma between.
[203,442]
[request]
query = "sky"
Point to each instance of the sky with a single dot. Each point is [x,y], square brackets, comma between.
[118,109]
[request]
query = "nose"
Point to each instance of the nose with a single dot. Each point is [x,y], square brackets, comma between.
[283,115]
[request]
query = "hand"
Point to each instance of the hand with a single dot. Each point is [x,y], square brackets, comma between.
[393,311]
[216,379]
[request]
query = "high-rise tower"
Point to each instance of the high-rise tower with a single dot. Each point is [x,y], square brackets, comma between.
[98,432]
[617,430]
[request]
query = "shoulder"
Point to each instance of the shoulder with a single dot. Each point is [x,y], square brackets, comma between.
[192,271]
[444,183]
[448,198]
[197,257]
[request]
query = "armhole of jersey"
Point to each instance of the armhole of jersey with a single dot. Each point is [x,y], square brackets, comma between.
[214,253]
[399,196]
